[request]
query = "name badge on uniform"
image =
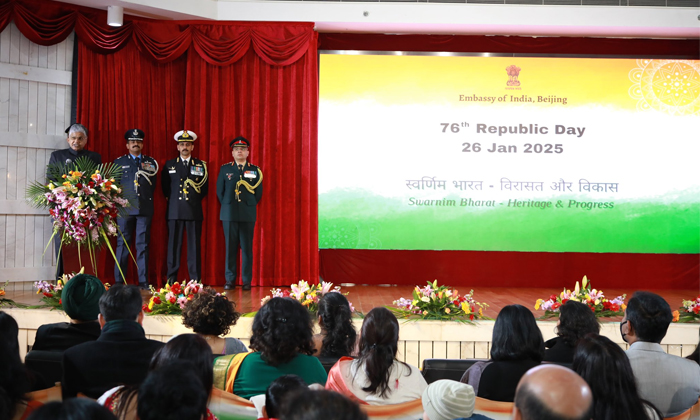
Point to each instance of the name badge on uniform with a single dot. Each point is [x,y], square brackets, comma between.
[250,174]
[172,170]
[125,166]
[197,171]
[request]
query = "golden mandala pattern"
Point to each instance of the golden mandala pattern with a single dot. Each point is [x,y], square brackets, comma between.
[669,86]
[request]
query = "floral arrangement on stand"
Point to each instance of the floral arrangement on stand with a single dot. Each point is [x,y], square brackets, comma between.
[595,299]
[688,312]
[84,200]
[171,299]
[441,303]
[9,302]
[307,294]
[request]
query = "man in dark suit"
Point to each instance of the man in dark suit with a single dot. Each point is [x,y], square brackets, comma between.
[185,184]
[77,140]
[139,182]
[239,189]
[122,353]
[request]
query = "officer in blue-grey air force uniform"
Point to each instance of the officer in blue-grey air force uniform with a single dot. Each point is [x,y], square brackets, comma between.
[239,189]
[185,186]
[139,182]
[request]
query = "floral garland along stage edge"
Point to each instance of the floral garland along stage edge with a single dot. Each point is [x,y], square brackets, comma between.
[307,295]
[595,299]
[53,292]
[688,312]
[440,303]
[171,299]
[84,199]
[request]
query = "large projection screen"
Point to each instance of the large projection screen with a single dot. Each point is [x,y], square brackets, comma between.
[421,152]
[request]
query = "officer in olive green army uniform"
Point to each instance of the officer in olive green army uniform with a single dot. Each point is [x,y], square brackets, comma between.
[185,184]
[239,189]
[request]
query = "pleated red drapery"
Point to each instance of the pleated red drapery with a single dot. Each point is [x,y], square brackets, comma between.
[220,80]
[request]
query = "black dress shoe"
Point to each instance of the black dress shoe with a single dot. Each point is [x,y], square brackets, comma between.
[246,286]
[229,286]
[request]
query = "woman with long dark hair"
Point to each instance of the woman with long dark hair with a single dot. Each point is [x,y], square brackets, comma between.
[606,368]
[14,379]
[516,347]
[338,335]
[575,321]
[281,344]
[376,376]
[122,401]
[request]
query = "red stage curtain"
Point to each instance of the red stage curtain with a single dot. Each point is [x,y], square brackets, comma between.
[220,80]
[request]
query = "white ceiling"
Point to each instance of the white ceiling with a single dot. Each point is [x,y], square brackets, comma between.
[431,18]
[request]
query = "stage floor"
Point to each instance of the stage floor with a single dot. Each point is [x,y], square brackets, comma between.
[366,297]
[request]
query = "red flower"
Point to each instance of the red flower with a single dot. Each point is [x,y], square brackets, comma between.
[614,307]
[60,301]
[471,316]
[156,300]
[172,299]
[145,308]
[563,301]
[91,184]
[285,293]
[553,297]
[592,308]
[696,310]
[48,294]
[175,288]
[556,305]
[79,186]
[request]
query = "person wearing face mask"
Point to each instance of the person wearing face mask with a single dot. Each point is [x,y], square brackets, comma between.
[139,182]
[185,184]
[77,137]
[670,383]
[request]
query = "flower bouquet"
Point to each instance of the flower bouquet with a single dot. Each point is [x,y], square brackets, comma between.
[52,292]
[595,299]
[689,312]
[9,302]
[441,303]
[307,294]
[84,200]
[171,299]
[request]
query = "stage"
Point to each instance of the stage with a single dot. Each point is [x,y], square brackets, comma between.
[419,339]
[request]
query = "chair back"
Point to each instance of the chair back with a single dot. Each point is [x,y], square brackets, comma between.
[497,410]
[226,406]
[412,410]
[693,413]
[48,363]
[328,362]
[435,369]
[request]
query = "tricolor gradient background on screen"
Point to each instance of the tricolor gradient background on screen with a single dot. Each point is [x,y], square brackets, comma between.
[635,125]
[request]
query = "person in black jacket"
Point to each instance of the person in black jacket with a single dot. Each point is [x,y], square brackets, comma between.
[575,321]
[77,140]
[120,356]
[185,184]
[239,189]
[139,182]
[80,299]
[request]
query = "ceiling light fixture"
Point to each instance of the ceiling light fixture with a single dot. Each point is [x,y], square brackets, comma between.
[115,16]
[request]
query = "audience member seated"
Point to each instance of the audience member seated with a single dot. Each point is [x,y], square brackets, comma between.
[670,383]
[516,347]
[376,376]
[282,345]
[173,391]
[447,400]
[120,356]
[338,336]
[278,391]
[606,369]
[14,381]
[695,356]
[211,315]
[552,392]
[321,405]
[9,334]
[575,321]
[122,401]
[72,409]
[80,299]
